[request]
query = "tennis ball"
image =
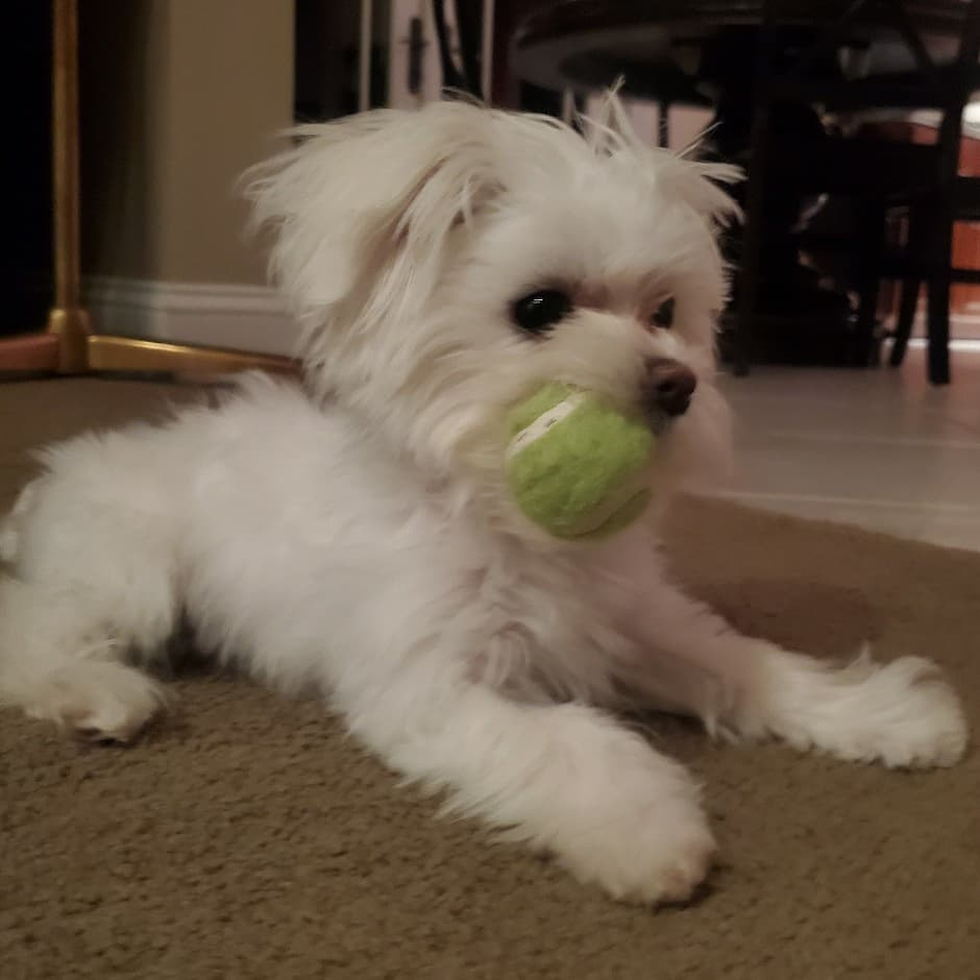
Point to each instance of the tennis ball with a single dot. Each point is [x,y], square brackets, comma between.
[575,465]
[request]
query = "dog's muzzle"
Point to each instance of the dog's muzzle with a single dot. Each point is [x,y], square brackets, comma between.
[668,387]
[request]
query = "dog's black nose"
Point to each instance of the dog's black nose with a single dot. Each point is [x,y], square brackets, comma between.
[669,386]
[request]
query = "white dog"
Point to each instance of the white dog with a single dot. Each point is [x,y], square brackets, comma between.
[355,536]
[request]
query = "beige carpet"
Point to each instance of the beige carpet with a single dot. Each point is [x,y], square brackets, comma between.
[243,837]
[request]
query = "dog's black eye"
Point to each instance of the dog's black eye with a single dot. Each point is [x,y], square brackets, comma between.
[538,312]
[663,315]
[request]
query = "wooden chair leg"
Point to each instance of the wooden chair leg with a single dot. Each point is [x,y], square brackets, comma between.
[748,290]
[873,234]
[750,271]
[940,281]
[663,124]
[938,306]
[906,318]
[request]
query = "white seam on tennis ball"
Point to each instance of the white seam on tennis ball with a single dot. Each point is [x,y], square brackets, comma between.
[543,423]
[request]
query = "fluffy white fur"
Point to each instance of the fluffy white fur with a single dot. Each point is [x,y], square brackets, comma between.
[354,536]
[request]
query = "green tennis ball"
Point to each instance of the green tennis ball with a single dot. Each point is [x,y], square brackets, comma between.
[575,465]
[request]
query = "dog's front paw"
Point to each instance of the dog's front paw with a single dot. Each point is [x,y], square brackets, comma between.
[656,856]
[101,701]
[908,716]
[902,714]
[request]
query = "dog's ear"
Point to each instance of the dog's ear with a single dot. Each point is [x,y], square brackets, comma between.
[364,206]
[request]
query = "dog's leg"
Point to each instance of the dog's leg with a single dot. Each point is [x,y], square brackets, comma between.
[563,778]
[901,713]
[91,588]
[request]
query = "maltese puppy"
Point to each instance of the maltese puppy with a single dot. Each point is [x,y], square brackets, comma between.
[354,535]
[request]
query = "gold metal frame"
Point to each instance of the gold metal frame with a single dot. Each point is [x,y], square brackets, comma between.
[67,345]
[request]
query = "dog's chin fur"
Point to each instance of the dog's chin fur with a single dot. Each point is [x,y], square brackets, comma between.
[354,535]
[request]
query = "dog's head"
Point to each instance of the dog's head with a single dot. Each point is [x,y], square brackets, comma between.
[445,262]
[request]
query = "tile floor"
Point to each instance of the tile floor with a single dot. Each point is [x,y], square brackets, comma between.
[880,449]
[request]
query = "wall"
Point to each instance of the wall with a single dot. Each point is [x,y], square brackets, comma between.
[230,92]
[124,67]
[178,98]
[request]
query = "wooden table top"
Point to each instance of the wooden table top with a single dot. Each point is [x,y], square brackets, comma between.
[585,43]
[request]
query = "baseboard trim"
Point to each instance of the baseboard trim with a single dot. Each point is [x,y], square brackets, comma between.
[250,318]
[962,326]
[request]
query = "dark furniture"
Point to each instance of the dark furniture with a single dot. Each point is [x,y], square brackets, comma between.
[875,174]
[717,45]
[922,265]
[588,43]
